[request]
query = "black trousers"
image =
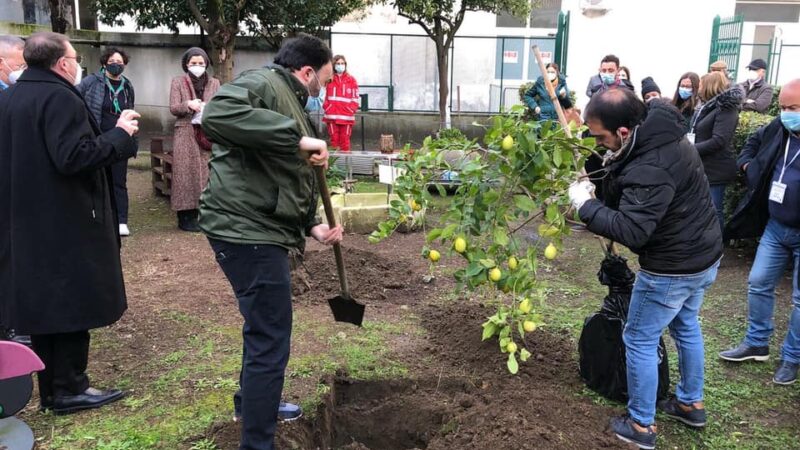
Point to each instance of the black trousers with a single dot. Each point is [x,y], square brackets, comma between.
[260,277]
[65,357]
[119,173]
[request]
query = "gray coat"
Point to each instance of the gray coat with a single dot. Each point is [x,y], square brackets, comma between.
[760,94]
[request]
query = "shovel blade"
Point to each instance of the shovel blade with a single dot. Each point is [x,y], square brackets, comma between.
[347,310]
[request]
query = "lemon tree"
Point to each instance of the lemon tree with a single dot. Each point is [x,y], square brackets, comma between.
[518,173]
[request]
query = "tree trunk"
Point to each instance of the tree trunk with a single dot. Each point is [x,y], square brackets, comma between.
[222,47]
[442,59]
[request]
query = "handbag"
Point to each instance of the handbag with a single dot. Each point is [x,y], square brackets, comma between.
[199,135]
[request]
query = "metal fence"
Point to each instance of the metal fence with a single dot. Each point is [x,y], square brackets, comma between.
[398,72]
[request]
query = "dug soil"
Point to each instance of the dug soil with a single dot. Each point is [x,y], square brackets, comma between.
[458,393]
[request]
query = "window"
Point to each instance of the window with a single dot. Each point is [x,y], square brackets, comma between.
[769,12]
[545,16]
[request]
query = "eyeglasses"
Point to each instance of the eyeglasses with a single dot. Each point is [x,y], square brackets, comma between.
[78,58]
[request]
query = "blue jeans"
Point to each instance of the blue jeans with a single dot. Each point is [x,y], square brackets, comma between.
[718,198]
[260,277]
[778,246]
[657,302]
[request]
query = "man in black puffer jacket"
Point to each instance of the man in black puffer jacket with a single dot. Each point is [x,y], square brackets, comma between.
[657,203]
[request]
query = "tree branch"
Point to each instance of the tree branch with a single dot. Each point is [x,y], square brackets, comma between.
[418,22]
[198,16]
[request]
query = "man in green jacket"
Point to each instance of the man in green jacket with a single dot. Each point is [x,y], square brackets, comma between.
[258,207]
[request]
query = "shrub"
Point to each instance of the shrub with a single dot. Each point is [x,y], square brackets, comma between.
[749,123]
[775,107]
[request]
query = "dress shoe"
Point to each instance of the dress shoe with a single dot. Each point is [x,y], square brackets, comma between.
[745,352]
[89,399]
[786,373]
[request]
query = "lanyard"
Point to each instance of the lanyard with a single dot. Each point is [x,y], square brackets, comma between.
[785,157]
[697,116]
[115,94]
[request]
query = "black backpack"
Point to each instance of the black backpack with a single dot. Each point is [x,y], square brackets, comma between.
[603,366]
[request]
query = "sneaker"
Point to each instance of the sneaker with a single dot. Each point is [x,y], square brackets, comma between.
[786,373]
[629,431]
[123,230]
[689,414]
[287,412]
[745,352]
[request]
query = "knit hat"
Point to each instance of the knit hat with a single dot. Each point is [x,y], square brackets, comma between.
[648,86]
[194,51]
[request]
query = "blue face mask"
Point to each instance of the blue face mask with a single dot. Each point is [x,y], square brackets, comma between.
[608,78]
[685,93]
[791,120]
[313,104]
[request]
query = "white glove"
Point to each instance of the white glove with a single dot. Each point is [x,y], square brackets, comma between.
[580,192]
[537,110]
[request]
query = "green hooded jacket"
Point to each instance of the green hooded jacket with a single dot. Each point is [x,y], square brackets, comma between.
[261,189]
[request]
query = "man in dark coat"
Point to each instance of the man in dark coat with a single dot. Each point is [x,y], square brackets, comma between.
[60,271]
[657,203]
[770,161]
[757,92]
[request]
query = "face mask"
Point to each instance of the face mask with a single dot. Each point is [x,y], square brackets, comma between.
[622,76]
[608,78]
[197,71]
[340,68]
[552,76]
[115,69]
[752,75]
[791,120]
[14,76]
[313,91]
[313,104]
[685,93]
[78,74]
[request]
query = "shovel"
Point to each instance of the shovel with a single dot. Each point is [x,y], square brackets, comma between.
[344,308]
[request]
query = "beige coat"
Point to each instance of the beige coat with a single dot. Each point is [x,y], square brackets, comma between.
[190,164]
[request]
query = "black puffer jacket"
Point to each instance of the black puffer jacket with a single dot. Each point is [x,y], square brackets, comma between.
[714,128]
[657,201]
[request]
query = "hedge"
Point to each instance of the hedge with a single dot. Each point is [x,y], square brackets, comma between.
[749,123]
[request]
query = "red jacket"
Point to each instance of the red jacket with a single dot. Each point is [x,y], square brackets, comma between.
[341,100]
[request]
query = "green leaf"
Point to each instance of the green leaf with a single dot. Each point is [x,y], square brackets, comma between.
[524,355]
[513,365]
[500,237]
[557,158]
[474,269]
[489,330]
[524,203]
[435,233]
[488,263]
[449,230]
[552,213]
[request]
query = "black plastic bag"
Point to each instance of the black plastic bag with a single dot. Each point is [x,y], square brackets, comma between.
[602,352]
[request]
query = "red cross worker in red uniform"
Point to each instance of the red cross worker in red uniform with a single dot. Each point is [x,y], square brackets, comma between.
[341,104]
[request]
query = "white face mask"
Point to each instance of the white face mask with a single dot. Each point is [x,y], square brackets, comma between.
[552,76]
[197,71]
[753,75]
[340,68]
[13,75]
[78,74]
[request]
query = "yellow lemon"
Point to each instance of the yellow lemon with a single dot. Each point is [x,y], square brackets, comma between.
[547,230]
[550,252]
[507,143]
[525,306]
[495,274]
[513,263]
[511,347]
[528,326]
[434,255]
[460,245]
[415,206]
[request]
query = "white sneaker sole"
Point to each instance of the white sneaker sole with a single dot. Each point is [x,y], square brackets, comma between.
[746,358]
[630,441]
[784,383]
[687,422]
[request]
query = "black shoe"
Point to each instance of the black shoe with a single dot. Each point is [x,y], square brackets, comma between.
[694,417]
[187,220]
[786,373]
[625,429]
[745,352]
[90,398]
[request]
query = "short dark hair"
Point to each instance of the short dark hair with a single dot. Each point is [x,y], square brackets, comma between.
[44,49]
[554,66]
[616,108]
[609,59]
[303,50]
[109,52]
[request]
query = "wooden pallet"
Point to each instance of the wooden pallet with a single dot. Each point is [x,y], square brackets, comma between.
[160,167]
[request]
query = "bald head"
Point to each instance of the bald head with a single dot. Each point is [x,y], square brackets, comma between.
[43,50]
[790,96]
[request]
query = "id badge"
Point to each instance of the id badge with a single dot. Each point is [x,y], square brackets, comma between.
[690,137]
[777,192]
